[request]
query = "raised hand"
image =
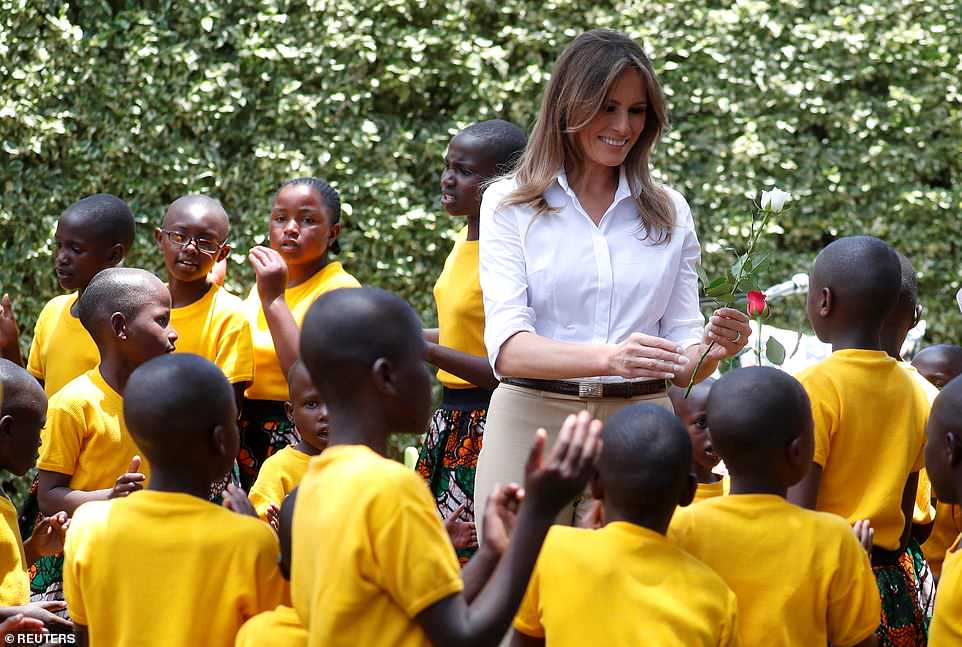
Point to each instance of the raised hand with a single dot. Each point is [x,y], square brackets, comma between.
[550,483]
[270,271]
[131,481]
[463,534]
[47,537]
[865,533]
[9,332]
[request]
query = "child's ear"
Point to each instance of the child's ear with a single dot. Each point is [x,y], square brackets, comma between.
[224,251]
[383,374]
[116,254]
[289,411]
[6,426]
[825,302]
[688,494]
[797,459]
[118,325]
[159,236]
[953,445]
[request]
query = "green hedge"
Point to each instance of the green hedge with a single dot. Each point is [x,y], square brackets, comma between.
[854,108]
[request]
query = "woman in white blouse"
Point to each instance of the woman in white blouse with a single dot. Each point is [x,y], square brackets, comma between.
[587,266]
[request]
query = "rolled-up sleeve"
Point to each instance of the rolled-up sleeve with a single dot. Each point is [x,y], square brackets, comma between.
[683,322]
[502,272]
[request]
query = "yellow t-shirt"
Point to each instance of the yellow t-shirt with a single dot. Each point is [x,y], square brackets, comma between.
[457,295]
[270,383]
[216,328]
[280,473]
[946,628]
[864,399]
[801,577]
[624,585]
[369,551]
[211,570]
[948,525]
[85,436]
[706,491]
[62,349]
[14,583]
[278,628]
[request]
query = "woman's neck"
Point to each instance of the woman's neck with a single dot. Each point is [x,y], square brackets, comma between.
[592,179]
[297,274]
[184,293]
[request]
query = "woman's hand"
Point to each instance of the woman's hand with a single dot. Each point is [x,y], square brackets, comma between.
[645,356]
[729,330]
[271,273]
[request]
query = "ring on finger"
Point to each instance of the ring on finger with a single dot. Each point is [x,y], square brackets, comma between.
[738,336]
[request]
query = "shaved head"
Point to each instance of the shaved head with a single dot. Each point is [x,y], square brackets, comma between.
[107,216]
[199,207]
[939,364]
[755,412]
[864,275]
[20,392]
[171,405]
[645,462]
[117,289]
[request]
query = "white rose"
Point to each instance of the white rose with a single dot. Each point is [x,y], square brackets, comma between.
[775,199]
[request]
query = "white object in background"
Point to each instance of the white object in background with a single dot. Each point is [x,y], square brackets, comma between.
[810,349]
[797,285]
[958,298]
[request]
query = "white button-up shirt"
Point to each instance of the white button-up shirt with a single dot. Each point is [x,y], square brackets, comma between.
[561,276]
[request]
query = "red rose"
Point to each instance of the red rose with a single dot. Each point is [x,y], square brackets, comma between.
[756,303]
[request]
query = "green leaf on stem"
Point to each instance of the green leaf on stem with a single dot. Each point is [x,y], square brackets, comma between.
[775,352]
[702,276]
[720,287]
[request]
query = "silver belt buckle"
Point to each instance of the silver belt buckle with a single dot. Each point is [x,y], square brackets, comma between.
[590,389]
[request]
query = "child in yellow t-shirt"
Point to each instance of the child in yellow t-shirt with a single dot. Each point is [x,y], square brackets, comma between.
[943,459]
[691,411]
[283,471]
[280,627]
[216,568]
[209,320]
[628,570]
[372,563]
[801,577]
[86,453]
[92,234]
[449,455]
[869,418]
[295,270]
[23,407]
[940,364]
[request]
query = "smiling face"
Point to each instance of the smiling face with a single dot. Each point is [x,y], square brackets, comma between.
[467,165]
[203,225]
[79,253]
[614,130]
[301,229]
[306,409]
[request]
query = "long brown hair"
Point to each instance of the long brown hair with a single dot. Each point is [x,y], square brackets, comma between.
[580,83]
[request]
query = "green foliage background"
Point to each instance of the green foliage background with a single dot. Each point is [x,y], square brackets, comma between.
[855,108]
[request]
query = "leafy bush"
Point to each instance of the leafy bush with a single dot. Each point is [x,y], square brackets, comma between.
[854,108]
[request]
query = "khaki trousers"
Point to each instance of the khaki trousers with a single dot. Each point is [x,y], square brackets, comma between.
[514,415]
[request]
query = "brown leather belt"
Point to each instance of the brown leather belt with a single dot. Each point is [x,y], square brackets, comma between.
[591,390]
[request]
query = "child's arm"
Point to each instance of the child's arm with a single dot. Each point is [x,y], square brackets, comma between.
[908,507]
[471,368]
[9,333]
[431,335]
[549,484]
[80,631]
[54,491]
[42,612]
[271,272]
[47,537]
[805,492]
[500,519]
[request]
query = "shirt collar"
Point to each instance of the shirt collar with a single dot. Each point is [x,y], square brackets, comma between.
[623,191]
